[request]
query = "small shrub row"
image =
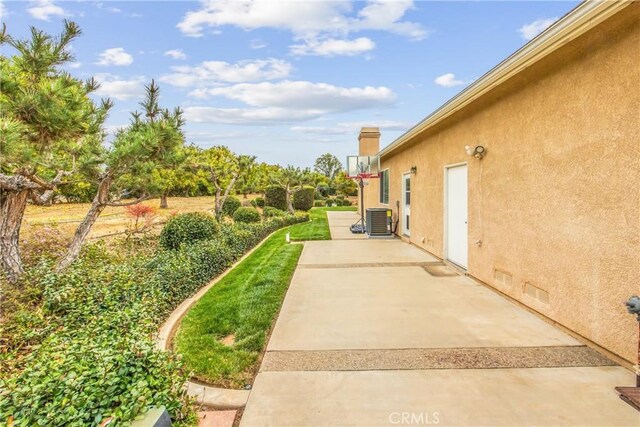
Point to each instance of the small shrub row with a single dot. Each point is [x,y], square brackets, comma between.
[188,228]
[258,202]
[246,215]
[337,202]
[231,204]
[95,359]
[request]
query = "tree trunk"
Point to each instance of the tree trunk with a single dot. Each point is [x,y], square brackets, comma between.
[12,206]
[163,201]
[97,206]
[289,203]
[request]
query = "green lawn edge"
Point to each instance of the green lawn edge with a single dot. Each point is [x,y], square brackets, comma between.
[244,304]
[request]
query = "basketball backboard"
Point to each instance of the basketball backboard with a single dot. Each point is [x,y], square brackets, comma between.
[363,166]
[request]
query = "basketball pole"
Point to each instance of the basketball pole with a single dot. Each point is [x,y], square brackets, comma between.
[361,179]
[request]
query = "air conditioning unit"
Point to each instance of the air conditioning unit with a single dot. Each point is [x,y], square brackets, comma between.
[378,222]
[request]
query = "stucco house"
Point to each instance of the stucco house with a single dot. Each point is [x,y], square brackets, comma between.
[549,213]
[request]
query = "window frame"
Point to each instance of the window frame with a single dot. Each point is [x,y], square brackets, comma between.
[384,177]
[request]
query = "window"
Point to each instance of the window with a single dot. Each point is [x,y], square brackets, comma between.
[384,187]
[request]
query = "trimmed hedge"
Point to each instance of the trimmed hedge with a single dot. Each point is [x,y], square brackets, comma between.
[247,215]
[259,201]
[231,204]
[303,198]
[318,203]
[276,197]
[270,212]
[100,361]
[188,228]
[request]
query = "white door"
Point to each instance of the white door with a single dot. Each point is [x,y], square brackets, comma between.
[406,204]
[456,215]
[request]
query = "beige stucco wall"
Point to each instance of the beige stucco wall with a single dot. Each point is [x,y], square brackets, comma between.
[556,200]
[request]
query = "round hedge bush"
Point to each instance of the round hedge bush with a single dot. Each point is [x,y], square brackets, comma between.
[303,198]
[247,215]
[259,202]
[188,228]
[276,197]
[231,204]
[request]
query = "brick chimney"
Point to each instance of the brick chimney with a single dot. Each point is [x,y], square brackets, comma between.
[369,140]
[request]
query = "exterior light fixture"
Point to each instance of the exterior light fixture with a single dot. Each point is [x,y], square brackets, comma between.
[478,151]
[414,170]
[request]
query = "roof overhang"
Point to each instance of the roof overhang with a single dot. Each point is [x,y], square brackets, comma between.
[575,23]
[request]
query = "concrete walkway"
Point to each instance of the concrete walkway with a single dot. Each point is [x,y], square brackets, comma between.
[378,332]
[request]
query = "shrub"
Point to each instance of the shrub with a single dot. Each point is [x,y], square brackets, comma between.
[303,198]
[340,197]
[322,190]
[142,217]
[253,203]
[93,357]
[259,202]
[246,215]
[270,212]
[230,205]
[318,203]
[346,202]
[188,228]
[276,197]
[330,202]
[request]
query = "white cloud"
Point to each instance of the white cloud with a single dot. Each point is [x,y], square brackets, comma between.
[448,80]
[74,64]
[346,128]
[111,9]
[45,9]
[529,31]
[303,19]
[246,116]
[288,101]
[176,54]
[120,88]
[306,95]
[258,44]
[386,15]
[3,10]
[333,47]
[210,73]
[115,56]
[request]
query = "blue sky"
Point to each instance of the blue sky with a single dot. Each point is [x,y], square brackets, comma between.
[288,80]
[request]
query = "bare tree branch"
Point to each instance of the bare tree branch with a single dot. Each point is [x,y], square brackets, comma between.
[133,202]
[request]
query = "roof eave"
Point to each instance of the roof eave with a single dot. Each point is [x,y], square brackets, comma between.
[575,23]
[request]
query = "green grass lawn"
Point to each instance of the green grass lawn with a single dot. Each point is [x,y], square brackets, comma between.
[243,305]
[318,227]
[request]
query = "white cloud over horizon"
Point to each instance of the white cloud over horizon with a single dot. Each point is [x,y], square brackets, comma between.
[532,29]
[448,80]
[45,9]
[211,73]
[115,56]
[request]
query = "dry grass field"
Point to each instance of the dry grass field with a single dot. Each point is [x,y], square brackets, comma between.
[65,217]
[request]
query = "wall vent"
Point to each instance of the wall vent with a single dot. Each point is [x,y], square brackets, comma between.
[502,277]
[535,292]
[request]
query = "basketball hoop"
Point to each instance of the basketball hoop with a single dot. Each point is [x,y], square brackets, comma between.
[361,168]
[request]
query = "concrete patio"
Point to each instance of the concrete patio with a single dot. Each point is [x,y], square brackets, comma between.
[378,332]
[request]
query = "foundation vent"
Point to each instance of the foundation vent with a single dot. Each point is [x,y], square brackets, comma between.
[502,278]
[535,292]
